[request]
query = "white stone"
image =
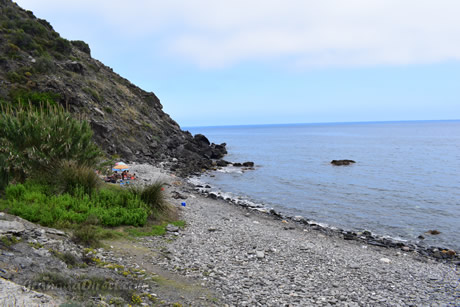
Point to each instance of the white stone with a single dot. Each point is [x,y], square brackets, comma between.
[260,254]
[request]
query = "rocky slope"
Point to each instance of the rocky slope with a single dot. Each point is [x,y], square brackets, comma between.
[37,64]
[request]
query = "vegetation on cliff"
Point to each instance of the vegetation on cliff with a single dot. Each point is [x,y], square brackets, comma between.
[37,64]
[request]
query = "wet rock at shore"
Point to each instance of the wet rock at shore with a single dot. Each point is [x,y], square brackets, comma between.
[433,232]
[342,162]
[244,164]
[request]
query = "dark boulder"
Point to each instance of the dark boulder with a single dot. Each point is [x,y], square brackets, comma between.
[222,163]
[201,140]
[433,232]
[248,164]
[342,162]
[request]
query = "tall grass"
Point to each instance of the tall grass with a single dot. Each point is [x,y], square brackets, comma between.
[32,139]
[67,176]
[153,196]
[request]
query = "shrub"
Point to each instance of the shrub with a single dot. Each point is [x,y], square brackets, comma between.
[44,65]
[32,139]
[61,45]
[32,202]
[153,196]
[25,97]
[14,77]
[67,176]
[82,46]
[86,233]
[93,93]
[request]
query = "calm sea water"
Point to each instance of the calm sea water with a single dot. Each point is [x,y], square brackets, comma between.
[406,179]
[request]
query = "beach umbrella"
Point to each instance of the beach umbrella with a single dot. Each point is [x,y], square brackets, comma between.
[120,167]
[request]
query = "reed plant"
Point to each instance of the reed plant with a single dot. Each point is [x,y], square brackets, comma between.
[153,196]
[32,139]
[67,176]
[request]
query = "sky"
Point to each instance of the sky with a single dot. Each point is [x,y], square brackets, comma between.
[213,62]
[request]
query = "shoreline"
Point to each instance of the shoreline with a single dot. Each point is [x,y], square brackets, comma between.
[228,255]
[253,258]
[437,252]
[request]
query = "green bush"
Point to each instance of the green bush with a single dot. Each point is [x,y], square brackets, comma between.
[14,77]
[111,207]
[67,176]
[153,196]
[37,99]
[44,64]
[61,45]
[82,46]
[32,139]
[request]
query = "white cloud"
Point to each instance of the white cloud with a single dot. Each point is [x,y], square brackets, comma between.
[213,33]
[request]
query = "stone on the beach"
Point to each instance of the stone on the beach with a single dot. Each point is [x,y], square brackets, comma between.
[172,228]
[385,260]
[260,254]
[406,248]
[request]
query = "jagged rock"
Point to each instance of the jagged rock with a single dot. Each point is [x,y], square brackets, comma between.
[202,140]
[342,162]
[222,163]
[75,67]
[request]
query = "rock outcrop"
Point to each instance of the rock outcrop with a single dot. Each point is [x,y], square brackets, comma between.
[342,162]
[127,121]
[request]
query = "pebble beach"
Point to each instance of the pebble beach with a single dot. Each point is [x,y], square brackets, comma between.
[250,258]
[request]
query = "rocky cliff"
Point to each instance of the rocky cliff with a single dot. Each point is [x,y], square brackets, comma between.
[37,64]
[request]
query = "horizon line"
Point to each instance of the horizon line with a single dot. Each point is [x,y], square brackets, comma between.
[327,123]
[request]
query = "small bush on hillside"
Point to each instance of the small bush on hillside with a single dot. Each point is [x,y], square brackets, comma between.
[37,99]
[82,46]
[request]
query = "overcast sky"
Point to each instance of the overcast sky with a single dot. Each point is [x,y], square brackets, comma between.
[215,62]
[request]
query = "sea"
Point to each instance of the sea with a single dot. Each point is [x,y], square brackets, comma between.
[405,182]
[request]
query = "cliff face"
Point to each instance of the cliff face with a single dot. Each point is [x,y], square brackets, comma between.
[36,64]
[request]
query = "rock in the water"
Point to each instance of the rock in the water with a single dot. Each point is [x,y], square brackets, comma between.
[222,163]
[342,162]
[433,232]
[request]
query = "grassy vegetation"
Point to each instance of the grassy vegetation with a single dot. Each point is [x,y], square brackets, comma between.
[111,208]
[34,138]
[47,175]
[24,32]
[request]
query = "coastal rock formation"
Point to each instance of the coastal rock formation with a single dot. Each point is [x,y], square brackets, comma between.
[342,162]
[37,64]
